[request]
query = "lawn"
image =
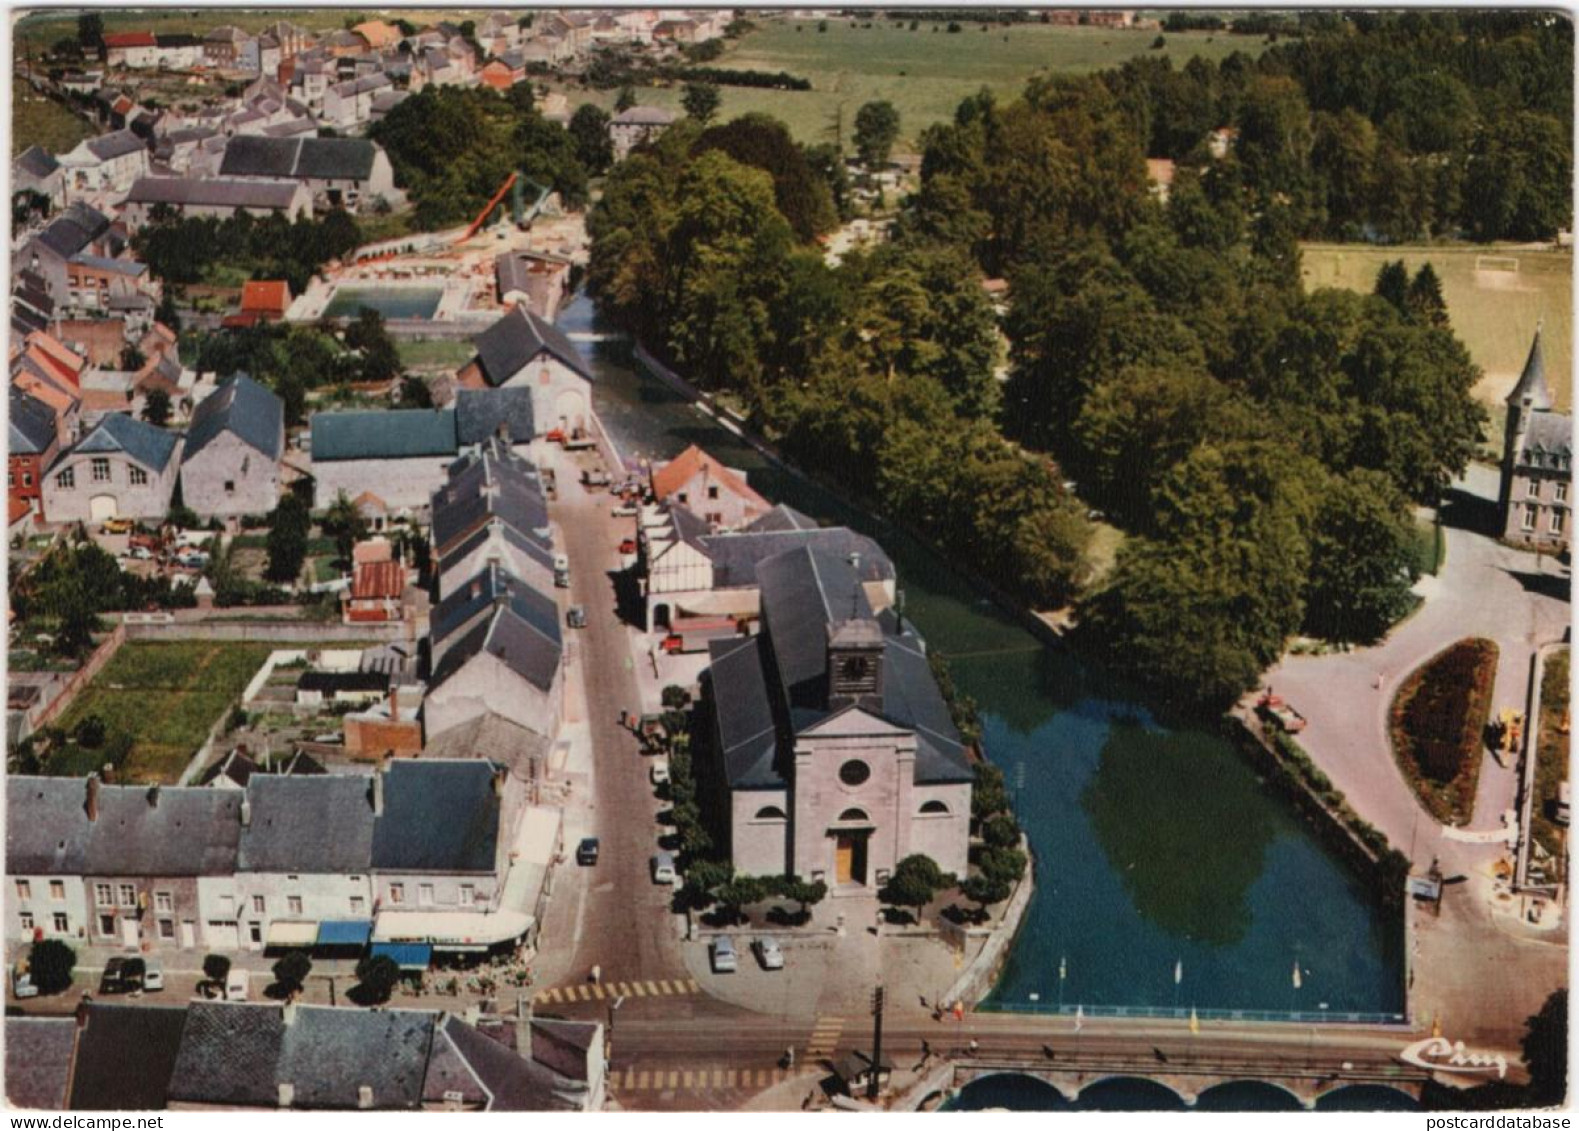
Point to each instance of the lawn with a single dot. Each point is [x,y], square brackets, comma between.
[1437,725]
[925,73]
[36,120]
[437,354]
[1493,311]
[166,696]
[1551,767]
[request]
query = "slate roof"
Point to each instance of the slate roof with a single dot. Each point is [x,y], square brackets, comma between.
[438,817]
[74,229]
[493,738]
[189,831]
[736,557]
[646,115]
[237,1054]
[125,1057]
[743,712]
[323,158]
[307,823]
[779,519]
[531,546]
[35,162]
[235,766]
[117,432]
[407,433]
[214,192]
[493,484]
[1548,441]
[32,424]
[127,267]
[512,1082]
[38,1061]
[523,631]
[479,414]
[331,682]
[1532,381]
[244,408]
[113,145]
[510,343]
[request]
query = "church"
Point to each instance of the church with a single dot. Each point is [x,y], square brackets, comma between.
[1533,502]
[831,754]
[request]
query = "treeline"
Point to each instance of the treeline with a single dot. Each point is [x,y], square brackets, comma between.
[878,373]
[1381,126]
[1262,447]
[75,583]
[725,76]
[452,147]
[181,249]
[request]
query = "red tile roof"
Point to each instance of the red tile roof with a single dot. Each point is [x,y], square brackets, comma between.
[680,470]
[18,509]
[131,39]
[378,580]
[266,296]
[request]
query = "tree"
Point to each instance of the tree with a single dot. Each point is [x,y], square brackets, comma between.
[1545,1049]
[367,335]
[984,890]
[1425,303]
[914,882]
[806,893]
[291,971]
[1005,864]
[132,358]
[737,893]
[50,963]
[702,879]
[89,732]
[675,697]
[1362,560]
[589,128]
[287,540]
[876,130]
[1392,284]
[345,524]
[762,142]
[1001,831]
[216,968]
[376,976]
[90,31]
[156,409]
[625,100]
[700,101]
[989,795]
[414,393]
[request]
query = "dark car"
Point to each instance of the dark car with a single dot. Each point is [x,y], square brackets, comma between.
[587,851]
[122,976]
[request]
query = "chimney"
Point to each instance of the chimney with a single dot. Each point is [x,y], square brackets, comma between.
[378,793]
[394,702]
[288,1014]
[82,1011]
[153,796]
[287,1094]
[364,1097]
[523,1027]
[92,805]
[108,773]
[246,812]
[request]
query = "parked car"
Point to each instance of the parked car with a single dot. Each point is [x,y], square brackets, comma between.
[119,526]
[561,571]
[663,868]
[153,976]
[192,559]
[122,975]
[725,960]
[140,553]
[623,510]
[587,851]
[770,954]
[236,983]
[628,546]
[22,985]
[595,478]
[660,771]
[576,617]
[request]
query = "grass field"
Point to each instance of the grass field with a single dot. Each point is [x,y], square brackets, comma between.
[36,120]
[925,73]
[437,354]
[166,696]
[1494,312]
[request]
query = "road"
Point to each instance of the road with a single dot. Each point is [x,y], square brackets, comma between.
[621,921]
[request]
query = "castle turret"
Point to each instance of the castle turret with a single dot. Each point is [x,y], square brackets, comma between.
[1529,396]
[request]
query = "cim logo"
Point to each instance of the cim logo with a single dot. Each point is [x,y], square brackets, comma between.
[1439,1054]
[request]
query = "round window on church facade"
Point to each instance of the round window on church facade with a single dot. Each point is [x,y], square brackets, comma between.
[854,772]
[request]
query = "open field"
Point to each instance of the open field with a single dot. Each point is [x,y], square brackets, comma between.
[166,696]
[925,73]
[36,120]
[1494,312]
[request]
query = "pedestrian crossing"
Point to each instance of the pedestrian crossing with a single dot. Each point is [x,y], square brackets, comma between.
[824,1037]
[635,1079]
[608,991]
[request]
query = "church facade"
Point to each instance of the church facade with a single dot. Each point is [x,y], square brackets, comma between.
[1535,501]
[832,755]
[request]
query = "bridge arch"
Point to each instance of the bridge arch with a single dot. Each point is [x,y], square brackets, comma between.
[1129,1093]
[1366,1097]
[1249,1095]
[1016,1091]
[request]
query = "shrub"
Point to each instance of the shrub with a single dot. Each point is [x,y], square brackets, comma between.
[1001,831]
[50,963]
[90,732]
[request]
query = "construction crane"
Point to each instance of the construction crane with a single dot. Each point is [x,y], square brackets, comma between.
[510,182]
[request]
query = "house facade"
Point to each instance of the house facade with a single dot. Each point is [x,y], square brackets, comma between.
[1536,492]
[524,350]
[636,126]
[214,196]
[122,468]
[108,163]
[720,496]
[230,465]
[398,457]
[34,444]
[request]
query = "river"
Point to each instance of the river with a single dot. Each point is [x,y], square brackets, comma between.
[1168,874]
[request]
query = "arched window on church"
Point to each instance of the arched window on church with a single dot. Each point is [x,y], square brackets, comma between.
[854,815]
[934,807]
[771,813]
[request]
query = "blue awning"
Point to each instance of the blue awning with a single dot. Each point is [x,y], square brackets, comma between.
[344,932]
[408,956]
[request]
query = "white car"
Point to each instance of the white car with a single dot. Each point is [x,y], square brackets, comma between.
[770,954]
[153,977]
[236,984]
[663,869]
[660,771]
[724,959]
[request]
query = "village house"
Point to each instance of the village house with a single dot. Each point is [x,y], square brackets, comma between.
[547,49]
[79,230]
[378,581]
[300,1057]
[231,463]
[688,572]
[109,163]
[44,368]
[214,196]
[262,300]
[98,283]
[535,280]
[492,509]
[504,71]
[1535,494]
[719,495]
[521,349]
[36,170]
[496,649]
[390,728]
[399,457]
[833,755]
[178,51]
[348,105]
[225,47]
[378,34]
[337,171]
[122,468]
[33,447]
[636,126]
[131,49]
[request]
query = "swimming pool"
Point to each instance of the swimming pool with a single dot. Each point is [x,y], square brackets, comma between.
[391,302]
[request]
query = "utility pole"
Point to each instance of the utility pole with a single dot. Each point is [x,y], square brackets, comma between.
[877,1043]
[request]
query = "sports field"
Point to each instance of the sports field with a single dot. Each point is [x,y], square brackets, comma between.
[1495,296]
[925,73]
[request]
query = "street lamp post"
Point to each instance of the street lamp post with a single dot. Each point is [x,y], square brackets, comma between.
[877,1044]
[608,1035]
